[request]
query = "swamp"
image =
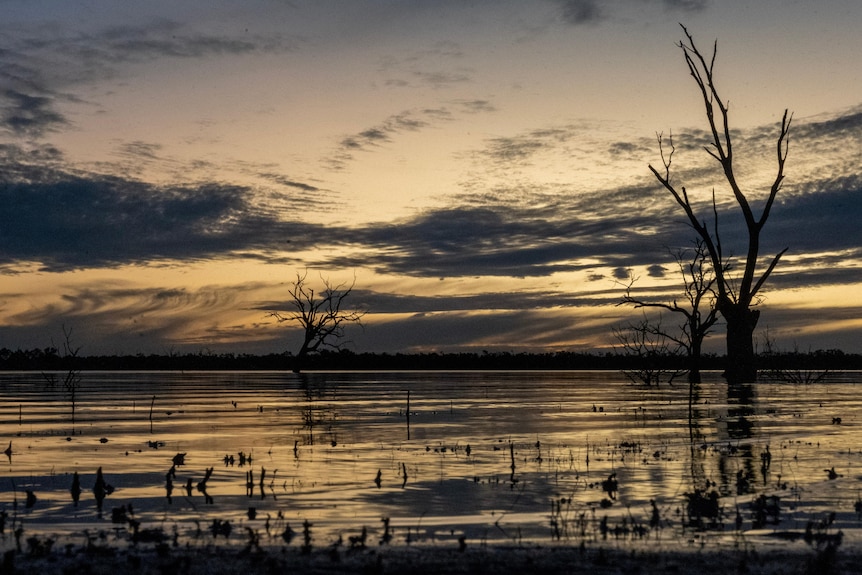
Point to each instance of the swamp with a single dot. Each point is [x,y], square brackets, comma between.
[460,461]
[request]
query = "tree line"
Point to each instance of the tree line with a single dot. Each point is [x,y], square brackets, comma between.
[51,359]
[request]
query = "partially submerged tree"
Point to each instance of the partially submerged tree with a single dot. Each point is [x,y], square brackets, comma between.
[652,353]
[791,366]
[737,296]
[72,377]
[322,315]
[698,312]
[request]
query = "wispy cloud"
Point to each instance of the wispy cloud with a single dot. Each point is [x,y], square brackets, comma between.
[119,316]
[580,12]
[589,12]
[689,5]
[29,114]
[437,68]
[521,147]
[384,132]
[39,68]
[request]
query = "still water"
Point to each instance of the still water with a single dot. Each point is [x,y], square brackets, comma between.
[496,457]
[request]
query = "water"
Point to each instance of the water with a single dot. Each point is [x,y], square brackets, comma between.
[497,457]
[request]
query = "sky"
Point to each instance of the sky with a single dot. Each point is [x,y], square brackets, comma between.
[478,168]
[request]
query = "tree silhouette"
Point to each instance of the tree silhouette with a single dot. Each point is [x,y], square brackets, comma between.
[737,296]
[321,315]
[698,279]
[647,342]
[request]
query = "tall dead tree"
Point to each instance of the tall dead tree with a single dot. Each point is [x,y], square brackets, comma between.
[737,296]
[322,315]
[698,313]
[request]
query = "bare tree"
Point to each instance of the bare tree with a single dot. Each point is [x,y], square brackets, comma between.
[652,351]
[72,378]
[736,296]
[699,280]
[790,366]
[322,315]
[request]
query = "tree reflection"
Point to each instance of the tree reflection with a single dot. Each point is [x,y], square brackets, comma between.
[696,437]
[741,399]
[314,387]
[737,466]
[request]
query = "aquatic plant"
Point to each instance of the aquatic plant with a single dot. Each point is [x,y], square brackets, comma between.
[75,490]
[39,546]
[766,508]
[306,537]
[824,543]
[387,534]
[357,542]
[221,527]
[101,489]
[703,510]
[202,485]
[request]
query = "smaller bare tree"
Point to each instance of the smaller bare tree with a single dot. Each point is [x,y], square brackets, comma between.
[72,378]
[322,315]
[790,367]
[646,342]
[698,279]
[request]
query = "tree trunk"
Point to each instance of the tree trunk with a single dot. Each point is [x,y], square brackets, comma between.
[741,321]
[299,359]
[694,362]
[696,331]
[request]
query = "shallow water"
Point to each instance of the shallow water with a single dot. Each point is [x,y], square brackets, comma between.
[497,457]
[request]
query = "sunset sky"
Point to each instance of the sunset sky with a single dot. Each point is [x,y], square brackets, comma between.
[480,167]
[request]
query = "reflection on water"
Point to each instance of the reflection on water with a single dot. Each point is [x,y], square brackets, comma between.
[489,456]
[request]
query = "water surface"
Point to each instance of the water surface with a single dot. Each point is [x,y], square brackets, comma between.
[497,457]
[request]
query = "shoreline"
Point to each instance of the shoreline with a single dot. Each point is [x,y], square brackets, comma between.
[419,560]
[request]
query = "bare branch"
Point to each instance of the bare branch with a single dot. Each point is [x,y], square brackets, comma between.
[322,316]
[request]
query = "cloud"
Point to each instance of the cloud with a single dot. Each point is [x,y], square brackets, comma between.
[628,149]
[64,218]
[822,220]
[521,147]
[119,317]
[476,106]
[101,53]
[578,12]
[383,133]
[286,181]
[835,127]
[656,271]
[590,12]
[621,273]
[500,240]
[434,68]
[403,304]
[28,115]
[65,221]
[687,5]
[28,162]
[39,68]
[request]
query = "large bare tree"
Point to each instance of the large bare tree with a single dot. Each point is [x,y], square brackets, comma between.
[322,315]
[737,295]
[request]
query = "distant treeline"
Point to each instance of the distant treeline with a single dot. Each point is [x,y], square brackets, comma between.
[49,359]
